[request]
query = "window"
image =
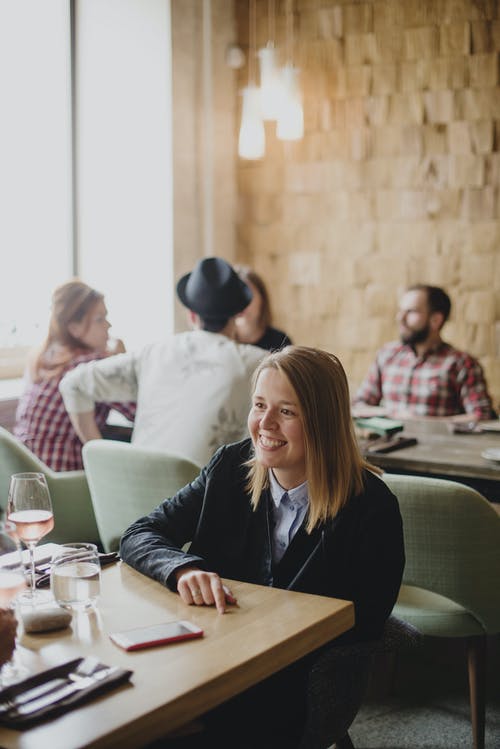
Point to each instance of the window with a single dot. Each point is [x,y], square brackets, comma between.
[123,162]
[122,177]
[35,174]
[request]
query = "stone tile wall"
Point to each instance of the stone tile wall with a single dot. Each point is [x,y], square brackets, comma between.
[396,180]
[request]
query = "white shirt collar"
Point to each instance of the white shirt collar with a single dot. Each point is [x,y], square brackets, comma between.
[299,494]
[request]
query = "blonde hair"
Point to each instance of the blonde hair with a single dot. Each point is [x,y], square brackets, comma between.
[71,302]
[334,463]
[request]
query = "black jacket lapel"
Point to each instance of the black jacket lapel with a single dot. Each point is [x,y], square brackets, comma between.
[301,554]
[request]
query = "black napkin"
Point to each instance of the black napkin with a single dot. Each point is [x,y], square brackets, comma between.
[42,572]
[16,706]
[389,446]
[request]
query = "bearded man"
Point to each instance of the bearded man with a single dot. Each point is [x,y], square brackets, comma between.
[421,375]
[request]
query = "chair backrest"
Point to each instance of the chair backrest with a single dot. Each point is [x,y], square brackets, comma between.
[127,482]
[73,512]
[452,543]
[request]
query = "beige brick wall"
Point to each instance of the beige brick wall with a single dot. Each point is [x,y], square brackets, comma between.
[396,180]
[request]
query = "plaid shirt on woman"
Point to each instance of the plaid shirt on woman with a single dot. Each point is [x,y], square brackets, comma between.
[444,382]
[43,424]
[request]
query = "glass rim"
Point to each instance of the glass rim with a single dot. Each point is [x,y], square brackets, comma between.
[29,475]
[76,550]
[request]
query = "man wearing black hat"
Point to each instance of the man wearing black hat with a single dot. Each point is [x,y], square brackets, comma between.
[192,391]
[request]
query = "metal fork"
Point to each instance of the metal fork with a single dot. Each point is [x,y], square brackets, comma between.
[61,693]
[83,671]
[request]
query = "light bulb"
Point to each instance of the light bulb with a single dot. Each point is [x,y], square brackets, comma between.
[290,124]
[270,82]
[252,138]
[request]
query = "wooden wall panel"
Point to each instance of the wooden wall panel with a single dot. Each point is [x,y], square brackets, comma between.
[396,180]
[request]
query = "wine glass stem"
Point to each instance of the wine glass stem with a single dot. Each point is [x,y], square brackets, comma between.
[31,549]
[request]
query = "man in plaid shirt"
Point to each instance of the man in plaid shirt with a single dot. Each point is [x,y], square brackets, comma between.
[422,375]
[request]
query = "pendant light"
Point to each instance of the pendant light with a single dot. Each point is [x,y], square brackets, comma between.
[270,81]
[290,123]
[252,137]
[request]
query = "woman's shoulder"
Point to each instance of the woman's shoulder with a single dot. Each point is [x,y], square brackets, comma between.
[83,357]
[233,454]
[375,490]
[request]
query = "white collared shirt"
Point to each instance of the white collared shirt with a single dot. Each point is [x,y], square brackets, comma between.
[289,509]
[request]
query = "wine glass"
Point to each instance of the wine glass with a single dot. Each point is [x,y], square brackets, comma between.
[30,508]
[12,582]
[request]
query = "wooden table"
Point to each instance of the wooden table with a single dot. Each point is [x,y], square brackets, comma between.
[174,684]
[440,452]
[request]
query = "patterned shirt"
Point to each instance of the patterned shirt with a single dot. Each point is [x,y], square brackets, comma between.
[192,391]
[443,382]
[43,424]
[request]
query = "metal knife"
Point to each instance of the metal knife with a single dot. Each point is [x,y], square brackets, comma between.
[59,694]
[31,694]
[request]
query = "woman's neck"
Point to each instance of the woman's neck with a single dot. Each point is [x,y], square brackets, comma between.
[249,333]
[288,480]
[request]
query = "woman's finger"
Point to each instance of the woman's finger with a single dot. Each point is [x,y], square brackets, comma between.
[203,588]
[230,598]
[218,594]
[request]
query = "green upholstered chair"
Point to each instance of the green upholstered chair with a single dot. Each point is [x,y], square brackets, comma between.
[73,512]
[451,582]
[127,482]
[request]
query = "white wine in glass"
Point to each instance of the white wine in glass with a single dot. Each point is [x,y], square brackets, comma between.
[12,582]
[29,507]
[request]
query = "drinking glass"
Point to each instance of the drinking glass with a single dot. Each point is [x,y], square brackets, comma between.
[30,508]
[12,582]
[75,577]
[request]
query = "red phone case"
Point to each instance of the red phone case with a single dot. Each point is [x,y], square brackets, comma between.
[120,639]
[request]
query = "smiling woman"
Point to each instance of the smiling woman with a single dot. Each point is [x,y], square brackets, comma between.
[294,507]
[275,425]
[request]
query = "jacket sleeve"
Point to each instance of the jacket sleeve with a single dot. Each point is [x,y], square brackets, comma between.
[154,544]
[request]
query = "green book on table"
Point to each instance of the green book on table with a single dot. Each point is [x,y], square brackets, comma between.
[380,425]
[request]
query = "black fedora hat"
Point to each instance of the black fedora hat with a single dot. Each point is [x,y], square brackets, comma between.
[213,290]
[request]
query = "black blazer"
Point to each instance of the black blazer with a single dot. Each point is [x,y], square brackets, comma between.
[358,556]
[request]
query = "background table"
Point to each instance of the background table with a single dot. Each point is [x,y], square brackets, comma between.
[441,453]
[175,683]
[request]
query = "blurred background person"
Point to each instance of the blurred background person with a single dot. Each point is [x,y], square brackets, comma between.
[192,388]
[421,375]
[254,324]
[78,332]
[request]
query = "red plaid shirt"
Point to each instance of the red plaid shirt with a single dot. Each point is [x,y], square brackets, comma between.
[43,424]
[444,382]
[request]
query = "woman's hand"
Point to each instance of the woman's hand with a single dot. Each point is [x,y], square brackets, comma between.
[8,626]
[115,346]
[203,588]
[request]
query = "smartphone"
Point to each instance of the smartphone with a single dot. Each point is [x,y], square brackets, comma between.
[157,634]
